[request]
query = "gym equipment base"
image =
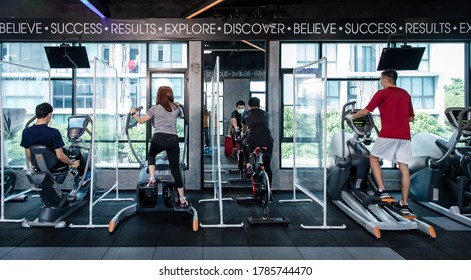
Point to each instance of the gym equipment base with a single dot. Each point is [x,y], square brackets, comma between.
[269,220]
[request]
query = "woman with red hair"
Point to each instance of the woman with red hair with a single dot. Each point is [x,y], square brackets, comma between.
[165,138]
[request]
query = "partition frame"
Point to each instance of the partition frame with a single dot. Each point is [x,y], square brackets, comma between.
[115,186]
[216,156]
[4,199]
[296,186]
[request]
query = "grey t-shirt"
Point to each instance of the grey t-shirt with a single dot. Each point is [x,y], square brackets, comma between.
[164,121]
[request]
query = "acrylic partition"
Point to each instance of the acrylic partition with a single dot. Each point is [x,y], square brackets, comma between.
[310,135]
[104,134]
[215,142]
[21,89]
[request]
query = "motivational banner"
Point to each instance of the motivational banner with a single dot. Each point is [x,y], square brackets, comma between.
[14,29]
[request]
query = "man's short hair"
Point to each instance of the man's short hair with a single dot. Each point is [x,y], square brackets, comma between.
[240,103]
[391,74]
[254,102]
[43,109]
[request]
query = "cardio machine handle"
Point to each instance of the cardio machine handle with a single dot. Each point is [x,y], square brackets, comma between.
[128,119]
[344,111]
[461,127]
[126,131]
[458,135]
[342,123]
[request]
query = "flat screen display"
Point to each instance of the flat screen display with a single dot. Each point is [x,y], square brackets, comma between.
[77,122]
[401,58]
[67,57]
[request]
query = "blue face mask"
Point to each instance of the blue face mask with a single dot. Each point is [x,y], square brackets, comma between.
[240,111]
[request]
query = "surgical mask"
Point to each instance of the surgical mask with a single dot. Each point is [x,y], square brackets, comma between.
[240,111]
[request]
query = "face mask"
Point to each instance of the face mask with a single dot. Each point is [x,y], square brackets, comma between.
[240,111]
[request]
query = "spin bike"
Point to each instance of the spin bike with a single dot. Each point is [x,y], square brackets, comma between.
[261,189]
[239,136]
[351,186]
[48,178]
[161,197]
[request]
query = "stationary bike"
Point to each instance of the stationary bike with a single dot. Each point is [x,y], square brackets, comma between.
[241,170]
[261,189]
[48,178]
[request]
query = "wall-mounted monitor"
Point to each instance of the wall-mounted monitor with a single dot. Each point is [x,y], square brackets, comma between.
[404,58]
[67,57]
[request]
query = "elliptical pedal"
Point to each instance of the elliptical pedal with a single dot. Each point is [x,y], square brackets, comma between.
[388,200]
[393,207]
[187,208]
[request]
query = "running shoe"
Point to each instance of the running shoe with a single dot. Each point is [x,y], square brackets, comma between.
[404,209]
[381,194]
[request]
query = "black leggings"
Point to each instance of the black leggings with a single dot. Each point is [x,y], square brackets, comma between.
[169,143]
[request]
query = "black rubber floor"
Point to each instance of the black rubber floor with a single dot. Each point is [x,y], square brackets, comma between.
[175,229]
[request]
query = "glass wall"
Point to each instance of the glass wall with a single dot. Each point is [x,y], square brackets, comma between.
[131,62]
[352,75]
[21,89]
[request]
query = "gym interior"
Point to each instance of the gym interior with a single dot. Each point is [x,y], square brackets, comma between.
[308,63]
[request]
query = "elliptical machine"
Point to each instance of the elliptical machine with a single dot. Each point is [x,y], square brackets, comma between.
[350,185]
[163,196]
[48,178]
[441,170]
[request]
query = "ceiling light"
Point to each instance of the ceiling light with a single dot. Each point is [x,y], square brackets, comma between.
[97,8]
[253,45]
[202,7]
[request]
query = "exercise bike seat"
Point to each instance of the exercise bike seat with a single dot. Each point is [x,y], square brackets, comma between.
[46,161]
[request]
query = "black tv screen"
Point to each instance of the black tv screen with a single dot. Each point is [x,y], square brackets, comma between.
[407,58]
[67,57]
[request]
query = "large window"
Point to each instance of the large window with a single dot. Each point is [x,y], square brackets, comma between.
[168,55]
[352,75]
[422,90]
[129,59]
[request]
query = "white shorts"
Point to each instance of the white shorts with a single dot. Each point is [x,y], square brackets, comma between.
[393,150]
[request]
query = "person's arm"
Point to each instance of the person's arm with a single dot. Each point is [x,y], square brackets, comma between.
[244,127]
[372,105]
[361,113]
[231,124]
[65,159]
[234,123]
[28,156]
[138,119]
[411,112]
[181,113]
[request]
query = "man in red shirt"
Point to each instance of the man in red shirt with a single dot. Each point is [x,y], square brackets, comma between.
[393,143]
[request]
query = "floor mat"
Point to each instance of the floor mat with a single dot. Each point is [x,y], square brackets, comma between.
[447,224]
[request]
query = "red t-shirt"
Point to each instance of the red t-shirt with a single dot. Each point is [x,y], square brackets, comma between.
[395,108]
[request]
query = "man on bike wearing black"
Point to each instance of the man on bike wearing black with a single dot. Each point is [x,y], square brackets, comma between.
[255,125]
